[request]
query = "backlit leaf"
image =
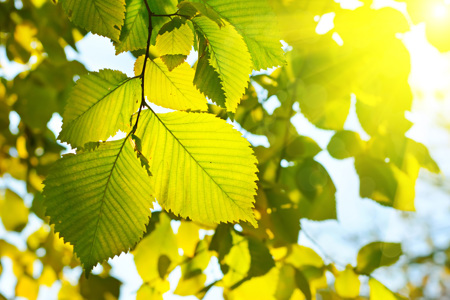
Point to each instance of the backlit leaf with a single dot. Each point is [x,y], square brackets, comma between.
[100,105]
[135,28]
[171,89]
[104,17]
[111,216]
[202,168]
[175,37]
[173,61]
[345,144]
[229,56]
[254,21]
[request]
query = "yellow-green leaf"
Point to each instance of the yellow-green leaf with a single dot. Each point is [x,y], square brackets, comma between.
[229,56]
[377,254]
[135,28]
[99,201]
[103,17]
[171,89]
[175,37]
[254,20]
[202,168]
[100,105]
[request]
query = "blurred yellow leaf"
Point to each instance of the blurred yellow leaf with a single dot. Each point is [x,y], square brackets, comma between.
[160,243]
[69,292]
[193,279]
[187,237]
[303,256]
[13,212]
[347,283]
[261,288]
[154,292]
[48,276]
[380,292]
[27,287]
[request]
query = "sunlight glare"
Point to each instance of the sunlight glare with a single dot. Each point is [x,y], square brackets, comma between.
[440,11]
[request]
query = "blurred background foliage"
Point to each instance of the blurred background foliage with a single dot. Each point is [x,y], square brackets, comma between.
[359,64]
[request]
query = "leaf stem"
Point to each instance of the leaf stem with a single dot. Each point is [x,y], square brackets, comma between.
[142,76]
[171,15]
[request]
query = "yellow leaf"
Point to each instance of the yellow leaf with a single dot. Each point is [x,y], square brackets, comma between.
[13,212]
[69,292]
[347,283]
[27,287]
[48,276]
[161,242]
[187,237]
[154,292]
[304,256]
[380,292]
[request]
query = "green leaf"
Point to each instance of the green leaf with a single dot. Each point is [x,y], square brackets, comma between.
[175,37]
[303,284]
[135,28]
[254,20]
[99,287]
[161,7]
[377,254]
[261,259]
[345,144]
[103,17]
[99,201]
[314,183]
[386,183]
[237,262]
[99,105]
[229,56]
[300,148]
[192,9]
[279,216]
[36,102]
[321,88]
[202,168]
[208,82]
[171,89]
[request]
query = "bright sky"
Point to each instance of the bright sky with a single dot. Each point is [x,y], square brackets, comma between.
[360,221]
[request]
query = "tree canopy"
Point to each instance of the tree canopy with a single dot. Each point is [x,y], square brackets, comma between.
[165,162]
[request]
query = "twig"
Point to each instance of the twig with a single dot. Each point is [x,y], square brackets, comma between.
[142,76]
